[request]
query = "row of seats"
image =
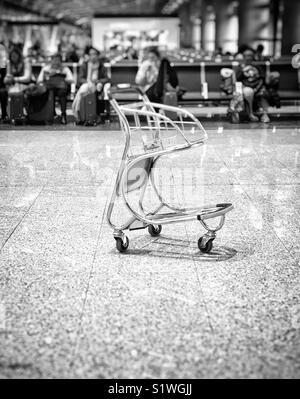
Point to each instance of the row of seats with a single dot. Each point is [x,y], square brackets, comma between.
[193,77]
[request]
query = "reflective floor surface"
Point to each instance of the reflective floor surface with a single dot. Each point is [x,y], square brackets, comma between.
[72,306]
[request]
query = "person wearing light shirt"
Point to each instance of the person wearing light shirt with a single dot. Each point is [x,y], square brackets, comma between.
[93,78]
[57,77]
[147,73]
[3,91]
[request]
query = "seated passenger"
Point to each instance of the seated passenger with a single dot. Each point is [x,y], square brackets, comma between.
[19,70]
[17,78]
[93,77]
[72,55]
[254,88]
[58,78]
[3,91]
[156,76]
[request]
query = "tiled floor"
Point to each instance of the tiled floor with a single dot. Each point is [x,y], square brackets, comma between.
[72,306]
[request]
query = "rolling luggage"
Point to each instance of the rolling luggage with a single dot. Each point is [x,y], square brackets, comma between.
[88,110]
[16,108]
[103,109]
[170,98]
[43,114]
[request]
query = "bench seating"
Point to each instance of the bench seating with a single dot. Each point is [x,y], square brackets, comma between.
[196,97]
[190,78]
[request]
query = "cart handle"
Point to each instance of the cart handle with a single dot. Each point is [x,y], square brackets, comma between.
[177,110]
[126,87]
[156,116]
[165,118]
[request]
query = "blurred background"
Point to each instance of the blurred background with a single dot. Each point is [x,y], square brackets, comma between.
[208,27]
[204,40]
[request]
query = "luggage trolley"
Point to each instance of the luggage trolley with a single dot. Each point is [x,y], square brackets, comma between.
[151,131]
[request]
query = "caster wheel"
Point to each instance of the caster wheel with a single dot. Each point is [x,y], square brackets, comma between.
[206,248]
[122,245]
[154,231]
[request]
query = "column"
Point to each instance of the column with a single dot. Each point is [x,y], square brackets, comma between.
[290,25]
[255,23]
[195,11]
[226,25]
[186,28]
[208,27]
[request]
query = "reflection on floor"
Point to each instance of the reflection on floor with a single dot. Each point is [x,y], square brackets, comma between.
[72,306]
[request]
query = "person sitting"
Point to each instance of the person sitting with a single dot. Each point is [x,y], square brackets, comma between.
[18,77]
[71,55]
[241,49]
[93,78]
[58,78]
[19,69]
[156,76]
[254,88]
[3,91]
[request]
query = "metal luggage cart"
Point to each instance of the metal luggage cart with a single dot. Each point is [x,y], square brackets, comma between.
[150,133]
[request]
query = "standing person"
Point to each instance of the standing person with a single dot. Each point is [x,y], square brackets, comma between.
[148,73]
[3,91]
[93,77]
[254,89]
[156,76]
[57,77]
[259,53]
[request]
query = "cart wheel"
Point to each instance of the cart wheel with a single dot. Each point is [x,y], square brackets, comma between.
[154,231]
[205,248]
[122,245]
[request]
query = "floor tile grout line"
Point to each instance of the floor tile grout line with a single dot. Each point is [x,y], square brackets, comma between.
[279,162]
[75,348]
[199,284]
[32,204]
[20,221]
[195,269]
[256,205]
[286,167]
[24,215]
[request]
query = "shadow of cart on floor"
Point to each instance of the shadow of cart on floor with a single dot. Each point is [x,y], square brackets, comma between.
[174,248]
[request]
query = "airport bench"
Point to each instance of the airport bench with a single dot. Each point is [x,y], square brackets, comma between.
[201,79]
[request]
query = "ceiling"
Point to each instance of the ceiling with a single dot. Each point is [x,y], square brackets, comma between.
[82,10]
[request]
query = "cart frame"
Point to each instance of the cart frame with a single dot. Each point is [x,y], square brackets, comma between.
[157,123]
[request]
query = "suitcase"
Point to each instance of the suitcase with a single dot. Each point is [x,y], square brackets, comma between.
[45,115]
[15,108]
[170,98]
[103,109]
[88,110]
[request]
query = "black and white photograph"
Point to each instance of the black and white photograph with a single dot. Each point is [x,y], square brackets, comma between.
[149,192]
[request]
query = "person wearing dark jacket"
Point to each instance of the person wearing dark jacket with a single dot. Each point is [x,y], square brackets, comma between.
[93,77]
[167,80]
[15,78]
[3,91]
[57,77]
[155,76]
[254,88]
